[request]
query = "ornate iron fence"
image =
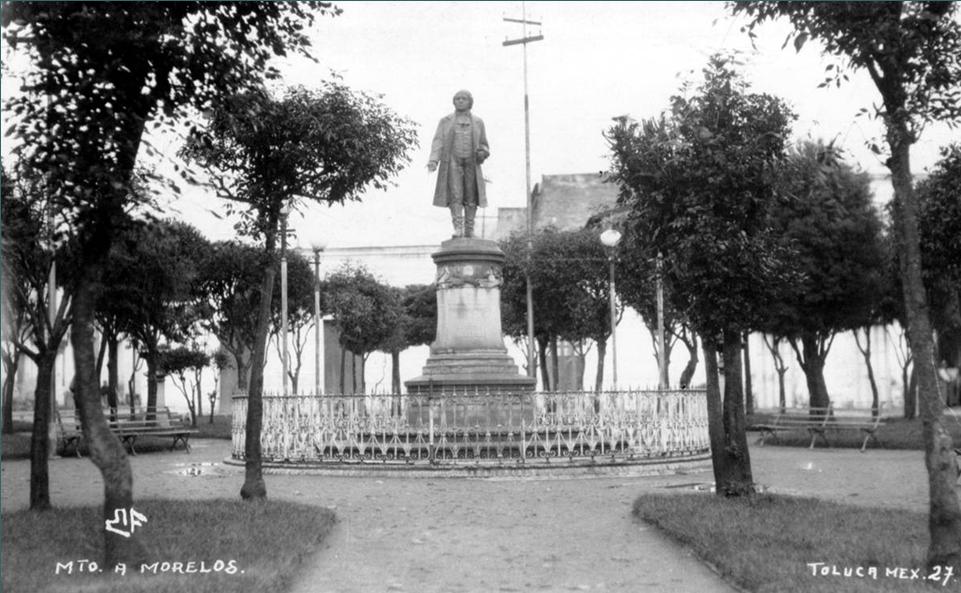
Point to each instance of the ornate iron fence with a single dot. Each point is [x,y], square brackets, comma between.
[478,428]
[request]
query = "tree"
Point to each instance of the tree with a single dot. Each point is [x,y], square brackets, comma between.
[637,287]
[912,52]
[698,184]
[300,312]
[149,281]
[16,331]
[266,156]
[220,360]
[100,72]
[828,220]
[513,300]
[575,266]
[16,328]
[569,281]
[365,311]
[885,307]
[228,289]
[416,324]
[178,362]
[939,198]
[29,257]
[773,344]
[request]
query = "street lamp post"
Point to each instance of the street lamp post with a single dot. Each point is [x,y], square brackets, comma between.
[662,380]
[610,239]
[317,245]
[524,40]
[283,293]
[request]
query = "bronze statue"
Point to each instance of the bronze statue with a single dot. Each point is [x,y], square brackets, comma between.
[459,148]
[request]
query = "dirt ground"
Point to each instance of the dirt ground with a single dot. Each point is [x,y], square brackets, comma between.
[463,535]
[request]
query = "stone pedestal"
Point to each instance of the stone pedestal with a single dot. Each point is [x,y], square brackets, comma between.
[468,353]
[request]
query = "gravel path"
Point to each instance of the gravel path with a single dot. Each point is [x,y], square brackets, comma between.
[463,535]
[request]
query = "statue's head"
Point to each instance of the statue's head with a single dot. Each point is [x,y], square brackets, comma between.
[463,100]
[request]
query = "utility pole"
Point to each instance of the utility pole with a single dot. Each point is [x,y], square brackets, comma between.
[284,213]
[524,40]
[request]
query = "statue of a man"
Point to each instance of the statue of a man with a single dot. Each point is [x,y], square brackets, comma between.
[459,148]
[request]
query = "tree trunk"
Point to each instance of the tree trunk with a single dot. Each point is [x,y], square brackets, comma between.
[949,343]
[581,367]
[773,347]
[726,424]
[542,346]
[242,365]
[741,481]
[113,374]
[106,452]
[782,396]
[181,384]
[599,376]
[811,359]
[199,394]
[866,353]
[668,349]
[362,379]
[40,437]
[254,486]
[944,523]
[101,354]
[213,396]
[132,387]
[152,378]
[11,364]
[395,372]
[343,370]
[910,380]
[748,390]
[555,364]
[691,367]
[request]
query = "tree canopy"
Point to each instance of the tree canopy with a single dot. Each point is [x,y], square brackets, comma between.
[698,181]
[228,288]
[569,278]
[912,52]
[366,311]
[939,197]
[325,145]
[149,285]
[266,155]
[99,72]
[828,220]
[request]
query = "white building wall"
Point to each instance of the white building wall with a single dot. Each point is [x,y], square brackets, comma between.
[845,371]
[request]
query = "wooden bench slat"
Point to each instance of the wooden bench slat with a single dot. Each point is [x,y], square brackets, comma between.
[127,427]
[817,421]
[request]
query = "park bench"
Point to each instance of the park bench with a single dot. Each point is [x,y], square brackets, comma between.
[818,421]
[69,432]
[127,427]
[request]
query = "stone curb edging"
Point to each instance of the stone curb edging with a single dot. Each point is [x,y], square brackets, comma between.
[643,467]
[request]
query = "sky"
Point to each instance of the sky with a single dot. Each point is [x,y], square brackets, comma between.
[597,60]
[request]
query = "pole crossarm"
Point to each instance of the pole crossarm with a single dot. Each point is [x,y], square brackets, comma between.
[523,40]
[522,21]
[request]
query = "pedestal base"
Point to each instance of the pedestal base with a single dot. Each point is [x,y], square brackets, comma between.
[468,354]
[470,372]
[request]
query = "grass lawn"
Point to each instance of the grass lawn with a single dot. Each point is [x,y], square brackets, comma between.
[220,429]
[764,544]
[267,541]
[894,433]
